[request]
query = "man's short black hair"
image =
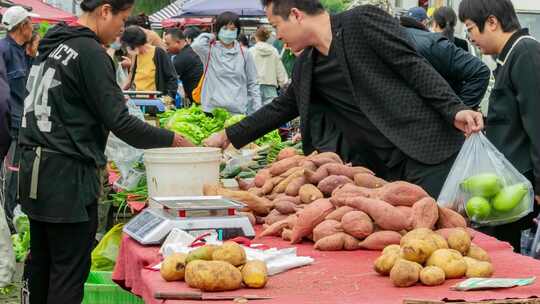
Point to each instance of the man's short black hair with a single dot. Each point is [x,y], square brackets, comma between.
[133,37]
[283,8]
[192,32]
[176,34]
[227,18]
[479,11]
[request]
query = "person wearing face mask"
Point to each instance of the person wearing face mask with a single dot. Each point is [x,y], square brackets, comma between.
[73,104]
[152,68]
[230,79]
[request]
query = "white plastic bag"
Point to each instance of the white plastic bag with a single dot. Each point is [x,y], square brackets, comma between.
[485,186]
[124,155]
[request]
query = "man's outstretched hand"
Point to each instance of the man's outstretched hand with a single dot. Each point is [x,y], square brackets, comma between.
[469,121]
[181,141]
[217,140]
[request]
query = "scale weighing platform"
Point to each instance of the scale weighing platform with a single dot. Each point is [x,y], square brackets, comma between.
[195,215]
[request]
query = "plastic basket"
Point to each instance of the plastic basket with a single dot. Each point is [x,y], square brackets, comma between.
[100,289]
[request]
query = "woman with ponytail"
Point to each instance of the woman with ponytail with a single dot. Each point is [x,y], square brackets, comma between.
[444,22]
[73,104]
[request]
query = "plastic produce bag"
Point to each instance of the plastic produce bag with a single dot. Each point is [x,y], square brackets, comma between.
[7,257]
[483,185]
[535,249]
[105,253]
[122,154]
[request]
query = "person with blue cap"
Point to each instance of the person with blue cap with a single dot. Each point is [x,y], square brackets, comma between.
[419,14]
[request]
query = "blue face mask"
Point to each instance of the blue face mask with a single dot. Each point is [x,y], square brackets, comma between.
[116,45]
[227,36]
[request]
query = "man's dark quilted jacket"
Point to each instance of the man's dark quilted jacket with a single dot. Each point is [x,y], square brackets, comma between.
[397,89]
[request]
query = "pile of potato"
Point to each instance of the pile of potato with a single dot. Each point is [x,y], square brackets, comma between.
[431,258]
[215,268]
[335,205]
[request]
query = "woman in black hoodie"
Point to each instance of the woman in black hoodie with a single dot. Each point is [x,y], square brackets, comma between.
[73,104]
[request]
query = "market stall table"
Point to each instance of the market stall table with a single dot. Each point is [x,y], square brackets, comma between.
[335,277]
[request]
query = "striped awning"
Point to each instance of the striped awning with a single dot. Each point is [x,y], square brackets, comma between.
[167,12]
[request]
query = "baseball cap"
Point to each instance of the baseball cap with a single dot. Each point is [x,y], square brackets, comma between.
[418,13]
[15,15]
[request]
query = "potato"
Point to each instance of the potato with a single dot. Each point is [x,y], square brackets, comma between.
[438,240]
[405,273]
[469,261]
[479,269]
[383,264]
[338,214]
[476,252]
[230,252]
[445,232]
[391,249]
[255,274]
[213,276]
[432,276]
[450,261]
[202,253]
[326,228]
[173,267]
[417,250]
[420,233]
[460,241]
[357,223]
[309,193]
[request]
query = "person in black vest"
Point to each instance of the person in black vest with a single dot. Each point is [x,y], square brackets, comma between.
[73,104]
[188,65]
[360,66]
[514,108]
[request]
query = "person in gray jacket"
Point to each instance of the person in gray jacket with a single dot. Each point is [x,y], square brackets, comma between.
[467,75]
[230,73]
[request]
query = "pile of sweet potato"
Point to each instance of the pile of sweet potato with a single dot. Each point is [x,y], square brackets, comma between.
[335,205]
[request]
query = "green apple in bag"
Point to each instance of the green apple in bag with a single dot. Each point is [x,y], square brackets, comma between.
[478,208]
[509,197]
[485,184]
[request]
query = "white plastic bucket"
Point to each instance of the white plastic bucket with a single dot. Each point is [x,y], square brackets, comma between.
[181,171]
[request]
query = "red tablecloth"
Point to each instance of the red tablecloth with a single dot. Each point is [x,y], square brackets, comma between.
[335,277]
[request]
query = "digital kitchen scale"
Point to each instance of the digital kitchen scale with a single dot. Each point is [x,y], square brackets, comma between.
[194,214]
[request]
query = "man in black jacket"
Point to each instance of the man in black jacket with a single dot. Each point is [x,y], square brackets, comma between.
[514,108]
[5,138]
[467,75]
[389,100]
[187,64]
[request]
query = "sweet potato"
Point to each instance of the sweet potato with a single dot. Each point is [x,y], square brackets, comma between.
[259,220]
[309,193]
[332,242]
[383,214]
[285,197]
[328,184]
[401,193]
[259,205]
[294,186]
[286,234]
[261,177]
[448,218]
[285,207]
[310,217]
[425,213]
[357,223]
[326,228]
[290,171]
[275,229]
[270,184]
[308,165]
[325,155]
[351,190]
[280,188]
[243,184]
[283,165]
[445,232]
[286,153]
[407,215]
[256,191]
[338,214]
[369,180]
[380,239]
[334,169]
[350,242]
[274,216]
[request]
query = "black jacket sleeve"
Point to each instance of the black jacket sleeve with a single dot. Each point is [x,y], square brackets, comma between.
[268,118]
[181,64]
[166,78]
[467,71]
[525,75]
[391,43]
[5,138]
[108,102]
